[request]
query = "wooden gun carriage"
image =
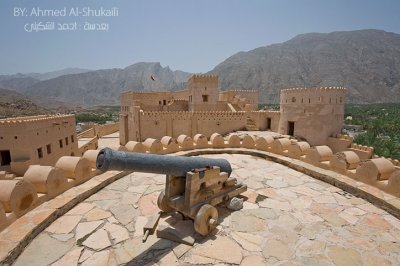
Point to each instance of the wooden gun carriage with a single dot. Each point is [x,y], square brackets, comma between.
[194,185]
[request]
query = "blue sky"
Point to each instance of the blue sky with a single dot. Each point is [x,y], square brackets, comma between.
[188,35]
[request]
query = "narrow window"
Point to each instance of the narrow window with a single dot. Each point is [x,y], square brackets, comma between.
[40,153]
[72,139]
[66,141]
[48,148]
[61,143]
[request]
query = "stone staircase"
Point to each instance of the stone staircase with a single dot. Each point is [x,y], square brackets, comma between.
[251,125]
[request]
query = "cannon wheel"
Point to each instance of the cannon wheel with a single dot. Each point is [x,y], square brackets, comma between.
[162,203]
[206,219]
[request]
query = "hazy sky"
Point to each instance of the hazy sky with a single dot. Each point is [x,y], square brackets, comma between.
[188,35]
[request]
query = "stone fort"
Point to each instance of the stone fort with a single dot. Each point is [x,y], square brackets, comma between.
[311,114]
[303,174]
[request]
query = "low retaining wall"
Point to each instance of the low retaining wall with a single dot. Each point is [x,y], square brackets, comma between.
[19,197]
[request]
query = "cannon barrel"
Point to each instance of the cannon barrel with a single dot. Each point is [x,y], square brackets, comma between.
[108,159]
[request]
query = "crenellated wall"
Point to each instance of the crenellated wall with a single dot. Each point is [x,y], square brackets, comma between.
[41,183]
[36,140]
[379,172]
[159,124]
[312,114]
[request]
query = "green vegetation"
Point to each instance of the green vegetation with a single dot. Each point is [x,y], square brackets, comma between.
[100,114]
[93,117]
[268,106]
[382,123]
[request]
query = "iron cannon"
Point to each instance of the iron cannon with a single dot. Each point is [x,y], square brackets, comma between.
[109,159]
[194,185]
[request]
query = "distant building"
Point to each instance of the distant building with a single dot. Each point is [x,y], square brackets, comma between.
[199,108]
[311,114]
[32,140]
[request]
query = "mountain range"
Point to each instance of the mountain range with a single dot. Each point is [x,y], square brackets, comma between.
[13,103]
[366,62]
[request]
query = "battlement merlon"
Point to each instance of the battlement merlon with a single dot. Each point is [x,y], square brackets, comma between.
[34,119]
[201,78]
[313,89]
[238,90]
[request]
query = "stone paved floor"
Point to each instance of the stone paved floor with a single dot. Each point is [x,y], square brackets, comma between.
[111,140]
[288,219]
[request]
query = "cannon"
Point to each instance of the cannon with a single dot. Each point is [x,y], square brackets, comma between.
[194,185]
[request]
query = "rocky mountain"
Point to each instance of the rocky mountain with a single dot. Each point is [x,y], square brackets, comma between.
[14,104]
[22,82]
[103,87]
[56,74]
[18,82]
[366,62]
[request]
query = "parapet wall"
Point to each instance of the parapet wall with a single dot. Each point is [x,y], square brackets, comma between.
[102,130]
[379,172]
[33,119]
[99,130]
[203,78]
[321,95]
[42,183]
[159,124]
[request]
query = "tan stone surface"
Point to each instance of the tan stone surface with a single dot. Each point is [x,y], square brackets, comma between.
[71,258]
[64,225]
[298,224]
[344,256]
[44,250]
[217,249]
[86,228]
[81,209]
[277,249]
[98,258]
[117,233]
[249,242]
[253,260]
[98,240]
[97,214]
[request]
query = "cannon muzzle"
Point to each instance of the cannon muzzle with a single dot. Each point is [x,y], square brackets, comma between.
[109,159]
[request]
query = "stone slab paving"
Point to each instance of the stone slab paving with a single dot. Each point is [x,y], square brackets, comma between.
[289,218]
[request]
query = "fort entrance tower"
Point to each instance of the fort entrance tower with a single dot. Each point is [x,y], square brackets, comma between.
[312,114]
